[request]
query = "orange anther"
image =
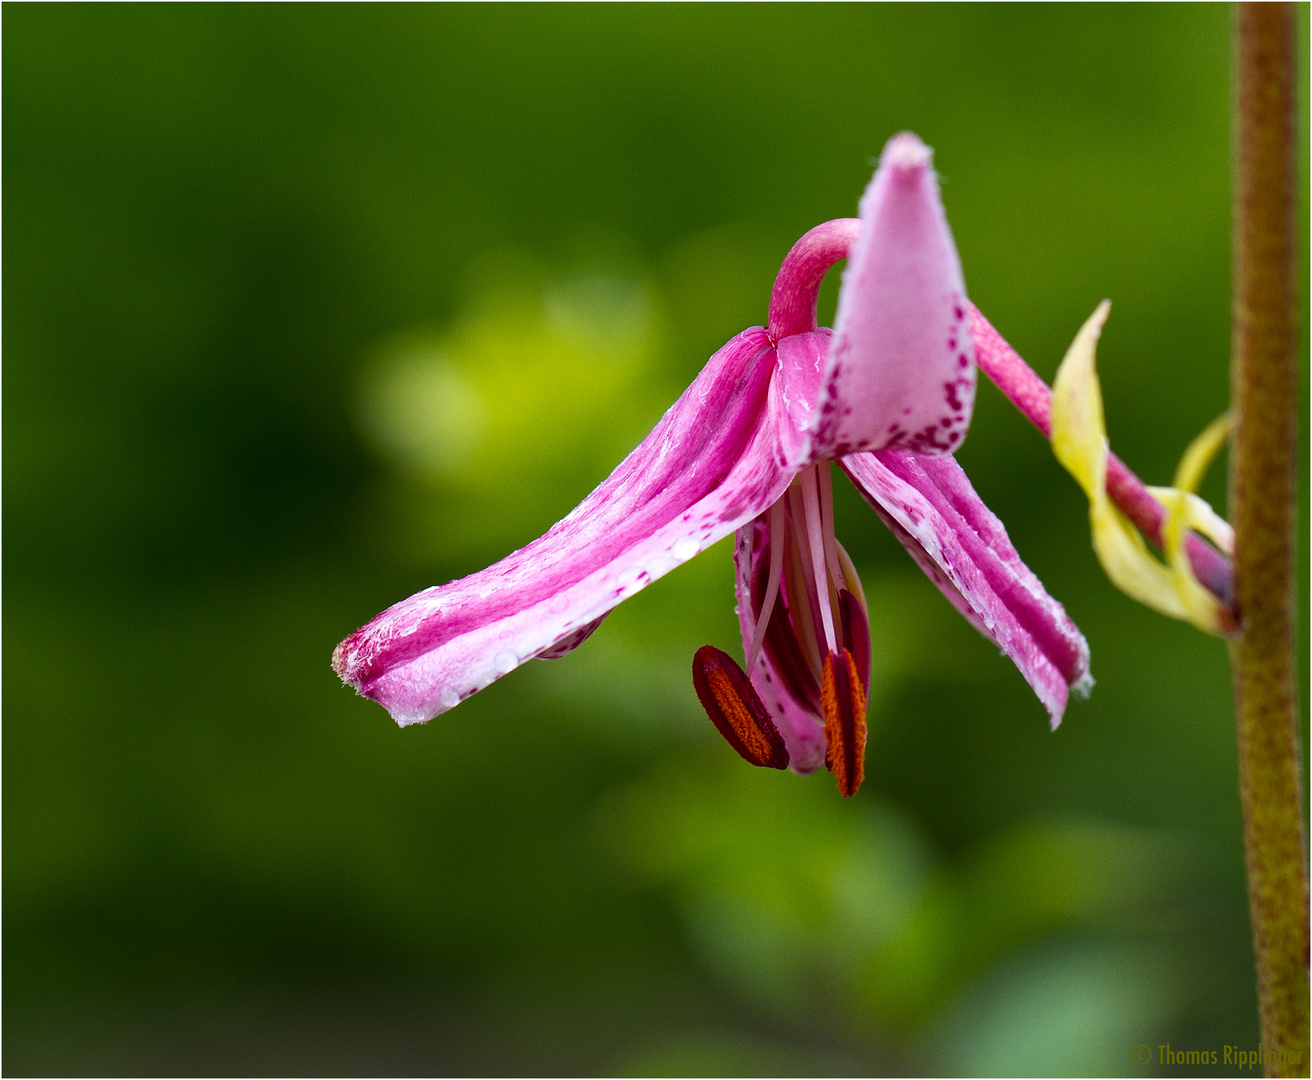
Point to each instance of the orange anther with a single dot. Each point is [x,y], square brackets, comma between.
[843,702]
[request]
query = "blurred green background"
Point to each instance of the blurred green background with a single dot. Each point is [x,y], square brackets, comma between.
[309,307]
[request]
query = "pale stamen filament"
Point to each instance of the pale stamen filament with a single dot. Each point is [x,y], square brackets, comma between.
[826,484]
[816,543]
[771,585]
[801,605]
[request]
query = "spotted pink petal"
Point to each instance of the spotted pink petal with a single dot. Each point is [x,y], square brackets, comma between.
[901,372]
[710,465]
[930,506]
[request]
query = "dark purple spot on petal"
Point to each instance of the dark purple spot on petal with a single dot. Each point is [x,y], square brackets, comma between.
[953,400]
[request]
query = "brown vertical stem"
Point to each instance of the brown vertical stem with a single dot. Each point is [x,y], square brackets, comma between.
[1262,501]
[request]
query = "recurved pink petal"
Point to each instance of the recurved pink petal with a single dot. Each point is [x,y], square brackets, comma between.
[710,465]
[901,371]
[930,506]
[803,733]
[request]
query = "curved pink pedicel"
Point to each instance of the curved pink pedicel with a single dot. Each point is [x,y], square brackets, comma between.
[931,507]
[901,371]
[1031,395]
[707,467]
[797,285]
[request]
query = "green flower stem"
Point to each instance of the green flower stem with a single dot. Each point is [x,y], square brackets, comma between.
[1262,502]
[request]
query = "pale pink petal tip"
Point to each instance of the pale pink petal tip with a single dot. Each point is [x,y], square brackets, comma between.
[906,151]
[901,370]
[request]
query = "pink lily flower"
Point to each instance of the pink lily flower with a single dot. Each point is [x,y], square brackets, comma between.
[747,449]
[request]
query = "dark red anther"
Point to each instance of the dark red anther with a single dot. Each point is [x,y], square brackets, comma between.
[736,709]
[843,701]
[856,636]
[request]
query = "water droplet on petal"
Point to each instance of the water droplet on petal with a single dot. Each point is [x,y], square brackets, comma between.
[450,698]
[505,662]
[628,577]
[685,548]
